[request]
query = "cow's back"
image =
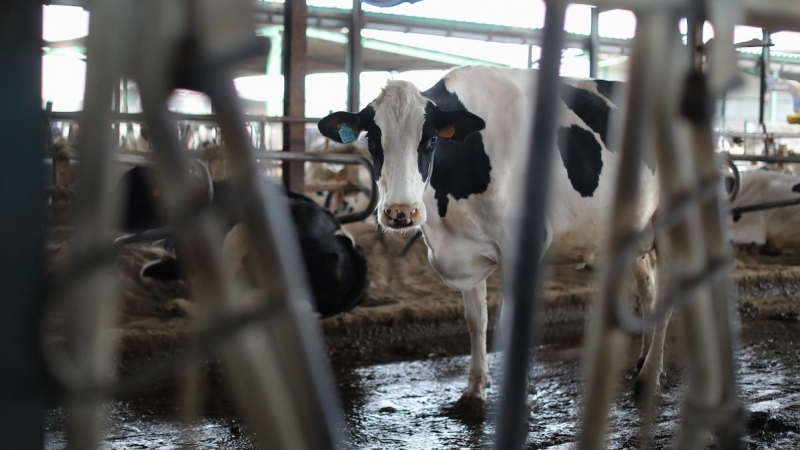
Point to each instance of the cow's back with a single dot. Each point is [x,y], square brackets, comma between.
[583,187]
[778,226]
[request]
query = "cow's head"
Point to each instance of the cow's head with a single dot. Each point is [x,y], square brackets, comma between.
[402,127]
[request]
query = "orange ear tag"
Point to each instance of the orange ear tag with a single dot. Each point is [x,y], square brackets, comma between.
[447,132]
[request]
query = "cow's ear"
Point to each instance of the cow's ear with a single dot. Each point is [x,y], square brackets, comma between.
[345,127]
[456,125]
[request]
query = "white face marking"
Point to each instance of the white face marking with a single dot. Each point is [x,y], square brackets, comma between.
[400,115]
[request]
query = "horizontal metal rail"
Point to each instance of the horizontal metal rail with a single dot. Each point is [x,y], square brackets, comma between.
[136,160]
[74,116]
[337,159]
[764,206]
[766,159]
[767,135]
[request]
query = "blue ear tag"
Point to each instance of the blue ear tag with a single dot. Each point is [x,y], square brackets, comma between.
[346,134]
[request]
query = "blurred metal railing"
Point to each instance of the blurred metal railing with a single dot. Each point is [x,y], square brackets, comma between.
[662,90]
[277,371]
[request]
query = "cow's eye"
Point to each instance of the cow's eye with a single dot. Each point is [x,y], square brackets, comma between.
[432,143]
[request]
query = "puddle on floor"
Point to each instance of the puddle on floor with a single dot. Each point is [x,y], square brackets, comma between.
[404,405]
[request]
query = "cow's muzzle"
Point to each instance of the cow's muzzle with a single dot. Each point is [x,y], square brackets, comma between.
[400,216]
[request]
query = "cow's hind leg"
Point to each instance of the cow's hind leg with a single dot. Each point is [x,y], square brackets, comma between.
[648,270]
[643,273]
[477,318]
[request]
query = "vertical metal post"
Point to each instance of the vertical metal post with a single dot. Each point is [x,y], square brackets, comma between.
[354,60]
[765,62]
[117,106]
[294,97]
[530,56]
[523,279]
[594,42]
[22,195]
[605,341]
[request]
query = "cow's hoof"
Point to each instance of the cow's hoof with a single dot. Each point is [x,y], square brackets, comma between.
[643,390]
[469,408]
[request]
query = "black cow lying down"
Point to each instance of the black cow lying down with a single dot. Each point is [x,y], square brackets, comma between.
[336,266]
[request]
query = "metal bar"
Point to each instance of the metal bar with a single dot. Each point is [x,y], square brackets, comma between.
[762,93]
[594,42]
[766,159]
[653,46]
[764,206]
[524,271]
[354,60]
[774,14]
[294,76]
[768,135]
[708,325]
[279,272]
[340,159]
[93,298]
[22,381]
[210,118]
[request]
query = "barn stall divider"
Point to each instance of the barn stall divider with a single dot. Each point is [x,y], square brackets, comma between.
[291,399]
[664,84]
[285,390]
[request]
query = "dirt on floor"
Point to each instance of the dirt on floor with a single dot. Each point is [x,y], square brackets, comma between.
[399,363]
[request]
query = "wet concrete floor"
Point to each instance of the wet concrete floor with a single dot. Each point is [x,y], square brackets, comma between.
[405,405]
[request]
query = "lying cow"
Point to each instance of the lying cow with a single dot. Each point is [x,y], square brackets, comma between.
[450,161]
[336,266]
[773,229]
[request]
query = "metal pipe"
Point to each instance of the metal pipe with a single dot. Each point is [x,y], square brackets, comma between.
[340,159]
[209,118]
[764,206]
[776,135]
[23,386]
[594,42]
[652,47]
[523,279]
[354,60]
[762,93]
[766,159]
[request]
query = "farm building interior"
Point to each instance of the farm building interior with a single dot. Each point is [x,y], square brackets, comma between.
[227,247]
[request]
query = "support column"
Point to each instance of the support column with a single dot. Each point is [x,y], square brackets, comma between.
[22,200]
[294,94]
[594,43]
[765,62]
[354,59]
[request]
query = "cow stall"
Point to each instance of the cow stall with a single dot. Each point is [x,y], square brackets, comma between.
[230,354]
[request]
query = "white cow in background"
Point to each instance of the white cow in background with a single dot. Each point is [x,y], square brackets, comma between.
[776,229]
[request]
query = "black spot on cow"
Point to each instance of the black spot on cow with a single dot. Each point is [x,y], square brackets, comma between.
[796,188]
[375,148]
[581,154]
[596,112]
[590,107]
[607,88]
[459,170]
[444,99]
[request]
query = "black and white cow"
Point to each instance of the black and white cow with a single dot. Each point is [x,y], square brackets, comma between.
[776,229]
[336,266]
[450,161]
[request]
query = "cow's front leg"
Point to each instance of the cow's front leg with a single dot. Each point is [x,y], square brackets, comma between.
[477,318]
